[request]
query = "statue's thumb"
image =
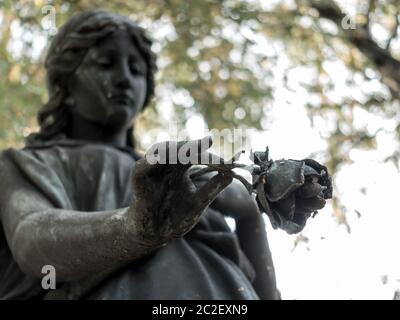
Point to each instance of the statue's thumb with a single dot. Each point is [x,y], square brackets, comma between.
[210,190]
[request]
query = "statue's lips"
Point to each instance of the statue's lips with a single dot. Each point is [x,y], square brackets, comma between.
[122,99]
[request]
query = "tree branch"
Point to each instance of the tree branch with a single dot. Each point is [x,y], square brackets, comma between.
[394,32]
[385,63]
[370,9]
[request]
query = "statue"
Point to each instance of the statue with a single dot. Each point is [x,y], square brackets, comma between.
[79,198]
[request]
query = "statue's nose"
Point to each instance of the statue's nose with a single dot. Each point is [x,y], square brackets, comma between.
[122,79]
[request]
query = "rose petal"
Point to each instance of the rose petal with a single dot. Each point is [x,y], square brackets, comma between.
[311,204]
[283,177]
[285,206]
[309,190]
[309,171]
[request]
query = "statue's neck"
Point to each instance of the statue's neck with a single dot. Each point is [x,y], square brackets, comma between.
[82,129]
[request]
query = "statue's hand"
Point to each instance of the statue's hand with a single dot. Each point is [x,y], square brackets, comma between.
[166,203]
[294,190]
[234,201]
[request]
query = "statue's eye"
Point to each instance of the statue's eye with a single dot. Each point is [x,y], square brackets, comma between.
[136,69]
[104,62]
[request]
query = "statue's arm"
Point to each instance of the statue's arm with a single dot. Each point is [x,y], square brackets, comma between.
[235,201]
[166,205]
[77,244]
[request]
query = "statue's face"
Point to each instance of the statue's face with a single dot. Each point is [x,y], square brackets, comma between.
[109,86]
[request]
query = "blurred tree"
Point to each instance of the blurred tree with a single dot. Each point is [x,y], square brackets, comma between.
[217,59]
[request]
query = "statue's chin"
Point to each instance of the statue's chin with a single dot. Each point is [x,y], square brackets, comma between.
[118,118]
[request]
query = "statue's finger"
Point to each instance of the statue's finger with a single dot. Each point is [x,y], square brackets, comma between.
[143,170]
[206,158]
[210,190]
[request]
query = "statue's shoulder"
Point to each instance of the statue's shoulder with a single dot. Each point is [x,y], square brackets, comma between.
[14,154]
[6,155]
[13,160]
[25,161]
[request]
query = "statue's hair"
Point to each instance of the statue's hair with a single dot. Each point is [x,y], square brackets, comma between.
[67,51]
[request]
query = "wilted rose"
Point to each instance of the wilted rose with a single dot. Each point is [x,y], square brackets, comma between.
[291,191]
